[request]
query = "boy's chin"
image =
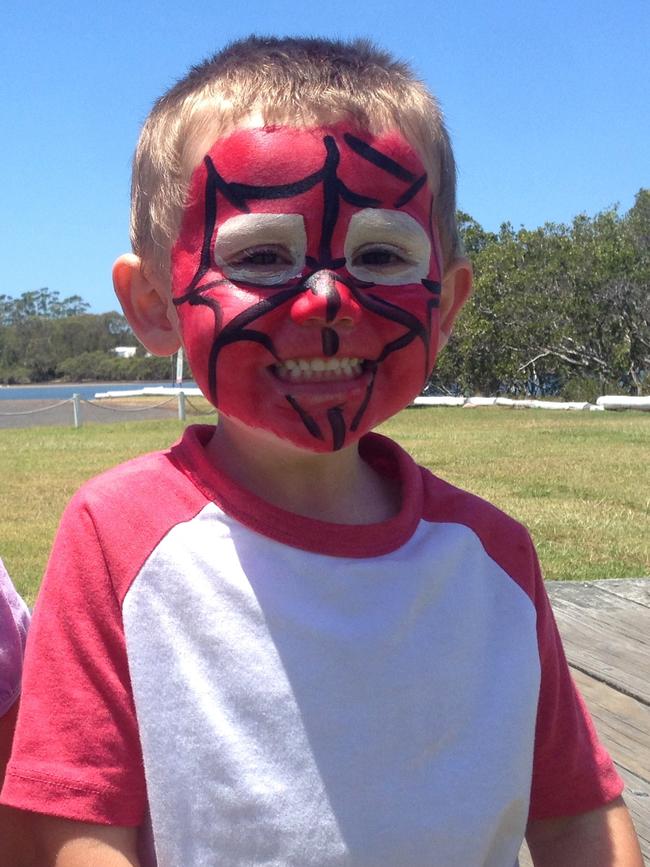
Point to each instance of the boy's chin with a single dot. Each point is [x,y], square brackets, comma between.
[291,438]
[315,427]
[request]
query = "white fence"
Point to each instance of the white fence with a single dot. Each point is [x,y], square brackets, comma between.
[611,402]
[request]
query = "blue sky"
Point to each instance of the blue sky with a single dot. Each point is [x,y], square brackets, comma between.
[548,104]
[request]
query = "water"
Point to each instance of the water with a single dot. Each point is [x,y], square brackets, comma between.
[64,391]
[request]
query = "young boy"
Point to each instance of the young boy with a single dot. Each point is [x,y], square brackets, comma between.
[281,642]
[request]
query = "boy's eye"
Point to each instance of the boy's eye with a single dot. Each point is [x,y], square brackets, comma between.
[263,249]
[380,256]
[261,257]
[389,248]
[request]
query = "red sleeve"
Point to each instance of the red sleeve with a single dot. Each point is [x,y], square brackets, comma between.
[77,751]
[572,771]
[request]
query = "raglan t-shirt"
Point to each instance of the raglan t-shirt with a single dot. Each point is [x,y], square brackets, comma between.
[14,620]
[250,686]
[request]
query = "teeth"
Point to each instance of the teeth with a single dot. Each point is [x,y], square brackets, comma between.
[318,369]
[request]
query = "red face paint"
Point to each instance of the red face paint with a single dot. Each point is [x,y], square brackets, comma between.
[307,280]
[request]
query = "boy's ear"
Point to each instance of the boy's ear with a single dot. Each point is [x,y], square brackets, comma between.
[147,305]
[456,289]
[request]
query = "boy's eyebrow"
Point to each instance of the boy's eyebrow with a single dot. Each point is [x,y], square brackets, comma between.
[412,191]
[377,158]
[238,193]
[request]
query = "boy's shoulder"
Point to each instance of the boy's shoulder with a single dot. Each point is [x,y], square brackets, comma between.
[116,520]
[150,480]
[125,511]
[504,539]
[443,501]
[456,511]
[126,495]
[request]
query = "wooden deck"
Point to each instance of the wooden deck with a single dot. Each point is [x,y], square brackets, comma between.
[605,627]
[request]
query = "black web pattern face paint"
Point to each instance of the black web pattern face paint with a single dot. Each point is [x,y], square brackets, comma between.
[319,278]
[330,342]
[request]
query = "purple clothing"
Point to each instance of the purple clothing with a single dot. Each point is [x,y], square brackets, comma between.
[14,619]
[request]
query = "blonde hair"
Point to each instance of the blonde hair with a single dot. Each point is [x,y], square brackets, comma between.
[299,81]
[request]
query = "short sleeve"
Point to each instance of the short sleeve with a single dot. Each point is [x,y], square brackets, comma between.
[14,620]
[572,771]
[76,750]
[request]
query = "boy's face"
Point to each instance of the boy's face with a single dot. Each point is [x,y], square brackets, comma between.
[306,276]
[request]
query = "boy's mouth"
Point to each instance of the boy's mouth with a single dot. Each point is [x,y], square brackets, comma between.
[318,369]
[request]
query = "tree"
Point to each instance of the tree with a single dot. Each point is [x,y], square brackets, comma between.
[555,308]
[602,332]
[39,331]
[40,302]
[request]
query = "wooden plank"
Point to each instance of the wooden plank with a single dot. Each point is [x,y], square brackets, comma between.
[601,597]
[634,589]
[622,723]
[620,665]
[605,635]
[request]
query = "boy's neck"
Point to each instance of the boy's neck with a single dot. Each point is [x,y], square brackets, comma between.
[339,487]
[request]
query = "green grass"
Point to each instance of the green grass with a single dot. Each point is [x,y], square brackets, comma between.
[579,481]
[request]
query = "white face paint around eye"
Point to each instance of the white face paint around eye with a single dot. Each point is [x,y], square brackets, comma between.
[266,249]
[389,248]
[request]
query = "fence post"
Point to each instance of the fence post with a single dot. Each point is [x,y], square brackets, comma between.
[76,410]
[181,406]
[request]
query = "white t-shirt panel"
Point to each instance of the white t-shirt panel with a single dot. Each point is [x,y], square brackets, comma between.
[317,710]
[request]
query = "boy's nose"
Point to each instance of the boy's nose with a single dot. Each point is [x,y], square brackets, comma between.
[325,301]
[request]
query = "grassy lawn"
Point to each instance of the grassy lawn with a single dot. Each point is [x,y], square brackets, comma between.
[579,481]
